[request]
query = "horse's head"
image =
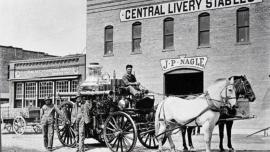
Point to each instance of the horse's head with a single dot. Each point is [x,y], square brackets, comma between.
[243,88]
[229,93]
[223,92]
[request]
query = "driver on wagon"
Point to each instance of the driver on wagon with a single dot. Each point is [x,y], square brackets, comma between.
[131,83]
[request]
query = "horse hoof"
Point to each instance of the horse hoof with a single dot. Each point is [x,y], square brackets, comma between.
[221,149]
[191,147]
[185,149]
[231,149]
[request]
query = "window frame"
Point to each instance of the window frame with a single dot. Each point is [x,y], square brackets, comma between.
[165,35]
[134,50]
[247,39]
[204,14]
[106,41]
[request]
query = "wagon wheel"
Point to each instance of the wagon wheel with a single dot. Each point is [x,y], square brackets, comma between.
[19,125]
[65,132]
[147,137]
[37,128]
[120,133]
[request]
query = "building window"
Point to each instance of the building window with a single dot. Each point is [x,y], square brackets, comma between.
[45,89]
[30,94]
[18,95]
[108,45]
[204,29]
[74,85]
[19,91]
[62,86]
[243,25]
[136,36]
[168,33]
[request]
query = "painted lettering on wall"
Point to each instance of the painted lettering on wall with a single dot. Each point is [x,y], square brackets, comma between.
[183,62]
[178,7]
[46,72]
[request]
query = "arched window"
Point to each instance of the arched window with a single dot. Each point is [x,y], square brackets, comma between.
[204,29]
[108,40]
[168,33]
[242,25]
[136,36]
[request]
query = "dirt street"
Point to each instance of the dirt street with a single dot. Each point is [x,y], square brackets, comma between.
[30,142]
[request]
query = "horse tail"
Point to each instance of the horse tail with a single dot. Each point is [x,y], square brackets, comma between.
[157,117]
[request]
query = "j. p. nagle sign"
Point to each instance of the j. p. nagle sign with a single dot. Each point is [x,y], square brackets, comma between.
[183,62]
[178,7]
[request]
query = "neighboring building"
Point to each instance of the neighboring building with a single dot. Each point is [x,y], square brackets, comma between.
[33,80]
[181,47]
[8,53]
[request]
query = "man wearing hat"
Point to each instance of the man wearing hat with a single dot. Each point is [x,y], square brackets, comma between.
[131,83]
[47,113]
[80,116]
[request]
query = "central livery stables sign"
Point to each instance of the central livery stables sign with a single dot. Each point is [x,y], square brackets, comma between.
[183,62]
[178,7]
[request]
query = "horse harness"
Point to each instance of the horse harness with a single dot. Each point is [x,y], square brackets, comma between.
[211,106]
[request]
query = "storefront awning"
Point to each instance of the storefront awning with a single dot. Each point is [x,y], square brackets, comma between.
[47,78]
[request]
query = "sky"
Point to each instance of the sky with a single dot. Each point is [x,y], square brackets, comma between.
[56,27]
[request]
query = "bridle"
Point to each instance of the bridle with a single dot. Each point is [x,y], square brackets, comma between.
[224,100]
[242,84]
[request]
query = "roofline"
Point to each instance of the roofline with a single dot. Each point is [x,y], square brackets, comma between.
[48,58]
[12,47]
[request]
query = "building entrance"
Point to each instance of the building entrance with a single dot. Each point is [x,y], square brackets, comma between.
[183,82]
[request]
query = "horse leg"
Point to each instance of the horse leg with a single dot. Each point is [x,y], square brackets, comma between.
[183,130]
[161,129]
[221,135]
[229,133]
[171,142]
[189,132]
[208,130]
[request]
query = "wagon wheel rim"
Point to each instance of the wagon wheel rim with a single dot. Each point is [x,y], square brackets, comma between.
[8,127]
[120,133]
[37,129]
[65,132]
[19,125]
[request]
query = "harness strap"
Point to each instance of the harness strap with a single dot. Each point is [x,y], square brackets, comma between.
[211,105]
[186,123]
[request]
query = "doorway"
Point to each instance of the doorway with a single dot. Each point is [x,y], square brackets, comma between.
[183,82]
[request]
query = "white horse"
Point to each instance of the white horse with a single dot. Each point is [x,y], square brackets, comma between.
[203,110]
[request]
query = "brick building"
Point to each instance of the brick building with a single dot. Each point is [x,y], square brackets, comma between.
[8,53]
[35,79]
[180,47]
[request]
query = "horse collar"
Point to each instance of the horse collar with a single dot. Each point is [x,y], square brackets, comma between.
[211,105]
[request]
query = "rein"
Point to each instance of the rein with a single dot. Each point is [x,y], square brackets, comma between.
[211,106]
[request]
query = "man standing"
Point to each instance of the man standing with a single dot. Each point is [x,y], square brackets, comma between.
[47,113]
[130,81]
[76,117]
[86,106]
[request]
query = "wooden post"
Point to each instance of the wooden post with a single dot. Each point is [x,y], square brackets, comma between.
[0,130]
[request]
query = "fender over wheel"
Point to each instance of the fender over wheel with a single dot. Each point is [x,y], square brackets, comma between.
[120,132]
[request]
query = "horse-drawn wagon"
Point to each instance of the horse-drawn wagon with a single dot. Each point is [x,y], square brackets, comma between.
[18,119]
[118,119]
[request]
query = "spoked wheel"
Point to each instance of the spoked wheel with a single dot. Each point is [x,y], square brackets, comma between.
[65,132]
[8,127]
[147,137]
[19,125]
[37,129]
[120,133]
